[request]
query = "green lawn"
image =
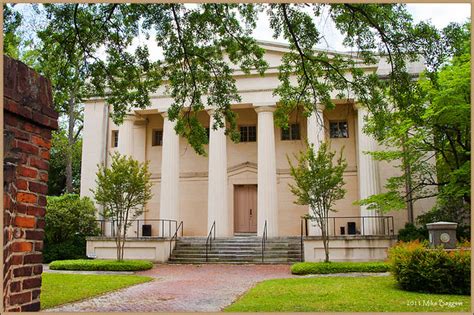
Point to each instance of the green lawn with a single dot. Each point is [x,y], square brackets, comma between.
[60,288]
[337,294]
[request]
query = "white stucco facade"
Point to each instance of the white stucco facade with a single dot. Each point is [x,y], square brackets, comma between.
[200,190]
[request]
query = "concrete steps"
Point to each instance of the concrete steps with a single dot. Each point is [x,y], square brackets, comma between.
[241,249]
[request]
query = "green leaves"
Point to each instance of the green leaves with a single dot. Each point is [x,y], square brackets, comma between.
[427,131]
[69,216]
[318,179]
[123,189]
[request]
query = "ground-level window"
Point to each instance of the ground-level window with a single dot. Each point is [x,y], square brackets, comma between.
[292,133]
[248,133]
[115,138]
[157,137]
[338,129]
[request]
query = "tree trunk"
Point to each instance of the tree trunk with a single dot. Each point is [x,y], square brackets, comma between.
[118,241]
[324,234]
[70,138]
[124,239]
[408,187]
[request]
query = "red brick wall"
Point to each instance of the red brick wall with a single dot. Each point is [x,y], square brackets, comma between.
[28,122]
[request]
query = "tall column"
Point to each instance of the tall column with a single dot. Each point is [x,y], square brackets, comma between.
[368,174]
[315,125]
[125,138]
[267,182]
[131,142]
[139,139]
[139,154]
[169,197]
[217,208]
[94,146]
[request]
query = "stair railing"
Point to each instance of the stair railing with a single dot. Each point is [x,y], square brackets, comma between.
[209,239]
[264,240]
[175,236]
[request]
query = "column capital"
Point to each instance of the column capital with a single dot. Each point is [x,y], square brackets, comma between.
[140,120]
[264,109]
[320,107]
[129,117]
[210,111]
[358,106]
[164,114]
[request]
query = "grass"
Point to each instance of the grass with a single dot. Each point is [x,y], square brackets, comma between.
[348,294]
[101,265]
[59,288]
[306,268]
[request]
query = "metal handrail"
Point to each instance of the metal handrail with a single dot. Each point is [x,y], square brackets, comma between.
[385,224]
[264,240]
[209,239]
[164,222]
[175,236]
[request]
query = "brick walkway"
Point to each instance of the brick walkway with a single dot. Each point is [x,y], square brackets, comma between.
[182,288]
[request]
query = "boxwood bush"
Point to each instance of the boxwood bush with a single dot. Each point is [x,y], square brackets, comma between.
[306,268]
[69,220]
[417,267]
[101,265]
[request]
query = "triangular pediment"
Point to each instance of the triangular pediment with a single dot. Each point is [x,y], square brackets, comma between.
[246,167]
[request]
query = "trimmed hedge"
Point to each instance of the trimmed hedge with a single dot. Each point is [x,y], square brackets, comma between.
[306,268]
[416,267]
[101,265]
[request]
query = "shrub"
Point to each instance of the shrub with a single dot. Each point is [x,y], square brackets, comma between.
[306,268]
[69,219]
[101,265]
[419,268]
[410,233]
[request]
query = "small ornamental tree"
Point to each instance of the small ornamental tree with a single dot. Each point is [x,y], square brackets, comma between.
[319,184]
[123,189]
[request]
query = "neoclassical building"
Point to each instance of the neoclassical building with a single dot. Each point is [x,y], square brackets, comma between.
[240,186]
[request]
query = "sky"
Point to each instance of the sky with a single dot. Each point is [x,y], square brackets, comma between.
[440,14]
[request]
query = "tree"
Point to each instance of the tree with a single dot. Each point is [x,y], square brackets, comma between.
[203,45]
[318,183]
[429,138]
[11,38]
[69,220]
[60,148]
[122,190]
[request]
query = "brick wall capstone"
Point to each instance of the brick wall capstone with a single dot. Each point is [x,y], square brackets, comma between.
[28,122]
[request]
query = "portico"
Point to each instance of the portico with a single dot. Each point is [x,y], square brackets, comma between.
[239,187]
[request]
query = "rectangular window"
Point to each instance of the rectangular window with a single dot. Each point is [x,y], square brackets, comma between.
[157,137]
[338,129]
[248,133]
[292,133]
[115,138]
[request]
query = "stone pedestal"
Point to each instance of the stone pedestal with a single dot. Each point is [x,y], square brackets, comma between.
[442,233]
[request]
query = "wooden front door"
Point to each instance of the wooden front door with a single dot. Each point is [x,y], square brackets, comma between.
[245,209]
